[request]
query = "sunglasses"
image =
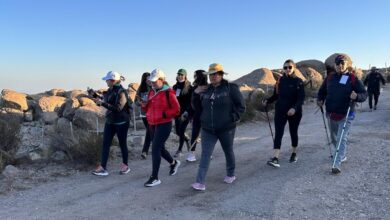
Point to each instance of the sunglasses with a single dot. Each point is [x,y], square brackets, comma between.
[342,62]
[287,67]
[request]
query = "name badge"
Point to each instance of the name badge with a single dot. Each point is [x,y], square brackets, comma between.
[343,79]
[178,92]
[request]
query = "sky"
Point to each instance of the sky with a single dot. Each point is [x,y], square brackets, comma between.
[72,44]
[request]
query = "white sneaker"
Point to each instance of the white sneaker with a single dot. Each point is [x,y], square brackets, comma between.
[191,157]
[344,159]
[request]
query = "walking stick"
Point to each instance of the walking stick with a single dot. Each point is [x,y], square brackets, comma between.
[341,136]
[326,130]
[269,123]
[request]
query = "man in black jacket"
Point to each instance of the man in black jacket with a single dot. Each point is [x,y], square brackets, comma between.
[372,81]
[339,91]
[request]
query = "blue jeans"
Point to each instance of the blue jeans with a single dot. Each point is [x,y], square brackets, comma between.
[336,128]
[209,140]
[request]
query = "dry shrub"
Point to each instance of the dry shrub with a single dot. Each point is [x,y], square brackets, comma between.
[9,139]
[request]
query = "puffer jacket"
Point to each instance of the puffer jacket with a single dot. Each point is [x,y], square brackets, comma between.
[162,106]
[116,101]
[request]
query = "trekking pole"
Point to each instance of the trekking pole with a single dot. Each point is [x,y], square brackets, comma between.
[341,136]
[269,123]
[326,130]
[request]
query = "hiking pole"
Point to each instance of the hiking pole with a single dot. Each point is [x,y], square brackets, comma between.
[269,123]
[341,136]
[326,130]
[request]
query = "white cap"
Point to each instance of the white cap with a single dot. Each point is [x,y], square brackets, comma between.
[112,76]
[156,74]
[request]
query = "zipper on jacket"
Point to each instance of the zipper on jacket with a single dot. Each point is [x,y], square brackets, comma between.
[212,108]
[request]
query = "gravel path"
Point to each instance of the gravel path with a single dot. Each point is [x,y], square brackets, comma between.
[304,190]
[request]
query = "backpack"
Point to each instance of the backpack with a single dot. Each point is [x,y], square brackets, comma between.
[129,104]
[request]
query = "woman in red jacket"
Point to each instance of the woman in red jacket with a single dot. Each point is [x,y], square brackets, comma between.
[161,107]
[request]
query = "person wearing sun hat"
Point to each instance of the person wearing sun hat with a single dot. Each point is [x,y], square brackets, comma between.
[116,101]
[221,105]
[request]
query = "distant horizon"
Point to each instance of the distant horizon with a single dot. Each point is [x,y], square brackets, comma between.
[72,44]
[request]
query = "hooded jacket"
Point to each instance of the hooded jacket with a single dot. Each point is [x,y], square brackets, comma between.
[162,106]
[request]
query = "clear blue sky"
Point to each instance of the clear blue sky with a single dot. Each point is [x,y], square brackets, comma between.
[73,43]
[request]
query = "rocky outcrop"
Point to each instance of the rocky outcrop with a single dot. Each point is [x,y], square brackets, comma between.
[14,100]
[51,103]
[89,117]
[317,65]
[257,78]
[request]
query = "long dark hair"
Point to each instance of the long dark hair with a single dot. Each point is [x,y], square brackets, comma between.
[144,87]
[200,78]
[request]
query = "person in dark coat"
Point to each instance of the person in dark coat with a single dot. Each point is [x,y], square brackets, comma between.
[373,82]
[289,95]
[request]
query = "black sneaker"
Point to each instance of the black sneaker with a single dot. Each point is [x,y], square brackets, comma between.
[274,162]
[144,155]
[336,170]
[374,107]
[174,168]
[152,182]
[293,158]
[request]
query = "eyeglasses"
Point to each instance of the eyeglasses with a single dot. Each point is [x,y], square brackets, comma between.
[342,62]
[287,67]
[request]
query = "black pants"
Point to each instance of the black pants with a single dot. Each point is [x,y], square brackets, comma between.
[196,126]
[109,132]
[293,123]
[145,148]
[376,97]
[181,127]
[159,134]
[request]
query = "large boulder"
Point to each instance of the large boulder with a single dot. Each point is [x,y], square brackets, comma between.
[56,92]
[49,118]
[89,117]
[51,103]
[258,78]
[315,79]
[15,100]
[329,62]
[69,108]
[35,108]
[37,96]
[64,127]
[75,94]
[317,65]
[86,101]
[299,74]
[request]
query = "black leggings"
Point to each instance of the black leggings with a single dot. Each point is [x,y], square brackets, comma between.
[181,127]
[145,148]
[159,134]
[195,132]
[280,123]
[376,97]
[109,132]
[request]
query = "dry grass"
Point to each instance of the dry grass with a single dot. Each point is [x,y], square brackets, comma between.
[9,139]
